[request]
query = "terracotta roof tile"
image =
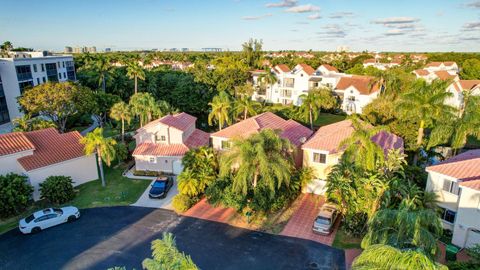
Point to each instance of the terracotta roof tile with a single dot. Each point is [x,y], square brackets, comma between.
[422,72]
[468,85]
[308,69]
[437,64]
[14,142]
[282,67]
[290,129]
[444,75]
[369,61]
[51,147]
[464,167]
[197,138]
[364,84]
[155,149]
[181,121]
[329,137]
[330,68]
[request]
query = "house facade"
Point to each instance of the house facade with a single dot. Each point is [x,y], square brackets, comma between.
[322,151]
[43,153]
[456,182]
[356,92]
[459,88]
[295,132]
[162,143]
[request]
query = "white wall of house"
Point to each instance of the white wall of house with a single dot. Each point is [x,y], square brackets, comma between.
[217,142]
[154,163]
[467,222]
[9,163]
[456,100]
[81,170]
[354,101]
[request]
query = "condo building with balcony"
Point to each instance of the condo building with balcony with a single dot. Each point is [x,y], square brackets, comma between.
[28,69]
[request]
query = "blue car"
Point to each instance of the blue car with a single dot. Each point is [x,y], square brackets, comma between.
[160,187]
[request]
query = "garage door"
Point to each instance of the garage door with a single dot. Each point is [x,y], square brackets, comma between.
[316,186]
[177,167]
[473,238]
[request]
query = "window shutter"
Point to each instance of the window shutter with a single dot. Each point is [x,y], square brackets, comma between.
[446,185]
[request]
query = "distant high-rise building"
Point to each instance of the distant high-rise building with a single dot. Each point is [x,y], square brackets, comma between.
[108,49]
[92,49]
[212,49]
[184,49]
[343,49]
[68,49]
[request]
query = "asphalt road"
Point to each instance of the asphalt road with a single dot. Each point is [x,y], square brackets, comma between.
[121,236]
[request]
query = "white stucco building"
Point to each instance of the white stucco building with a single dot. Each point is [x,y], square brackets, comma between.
[459,88]
[43,153]
[456,181]
[356,92]
[28,69]
[162,143]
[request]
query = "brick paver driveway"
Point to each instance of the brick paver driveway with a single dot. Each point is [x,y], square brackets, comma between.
[301,222]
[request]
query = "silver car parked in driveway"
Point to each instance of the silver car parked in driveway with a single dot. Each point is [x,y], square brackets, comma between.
[326,218]
[47,218]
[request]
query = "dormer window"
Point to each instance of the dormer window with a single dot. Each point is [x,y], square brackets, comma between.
[160,138]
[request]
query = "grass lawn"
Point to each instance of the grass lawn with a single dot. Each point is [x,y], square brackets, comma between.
[344,241]
[328,118]
[118,191]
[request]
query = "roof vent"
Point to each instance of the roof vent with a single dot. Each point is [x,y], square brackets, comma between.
[303,139]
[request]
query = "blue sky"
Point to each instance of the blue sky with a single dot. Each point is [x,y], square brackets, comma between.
[376,25]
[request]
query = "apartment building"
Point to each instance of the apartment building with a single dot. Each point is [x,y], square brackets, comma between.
[27,69]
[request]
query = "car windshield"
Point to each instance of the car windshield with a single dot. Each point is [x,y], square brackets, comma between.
[58,211]
[322,221]
[159,184]
[29,218]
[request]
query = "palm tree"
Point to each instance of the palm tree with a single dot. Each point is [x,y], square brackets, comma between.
[120,111]
[103,147]
[269,78]
[135,71]
[310,107]
[245,106]
[360,147]
[387,257]
[220,111]
[425,104]
[340,184]
[264,157]
[103,66]
[143,105]
[190,183]
[166,256]
[405,228]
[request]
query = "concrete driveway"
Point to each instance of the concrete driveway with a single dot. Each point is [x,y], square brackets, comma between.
[145,201]
[120,236]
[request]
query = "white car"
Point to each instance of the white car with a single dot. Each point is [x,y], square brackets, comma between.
[47,218]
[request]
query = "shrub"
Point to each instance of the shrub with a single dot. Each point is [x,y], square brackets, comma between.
[122,152]
[147,173]
[355,224]
[182,203]
[15,194]
[57,189]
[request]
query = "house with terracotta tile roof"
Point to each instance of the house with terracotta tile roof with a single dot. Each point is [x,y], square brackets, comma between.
[458,89]
[456,181]
[322,151]
[379,65]
[325,76]
[295,132]
[355,92]
[450,67]
[429,75]
[162,143]
[43,153]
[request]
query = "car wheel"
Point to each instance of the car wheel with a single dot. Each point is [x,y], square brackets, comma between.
[36,230]
[71,218]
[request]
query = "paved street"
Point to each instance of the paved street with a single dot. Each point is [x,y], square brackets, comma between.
[121,236]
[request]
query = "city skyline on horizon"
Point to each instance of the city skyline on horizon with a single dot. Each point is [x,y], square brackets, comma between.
[443,25]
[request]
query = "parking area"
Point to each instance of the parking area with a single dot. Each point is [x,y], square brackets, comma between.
[301,222]
[145,201]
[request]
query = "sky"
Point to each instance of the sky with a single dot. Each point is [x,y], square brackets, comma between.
[374,25]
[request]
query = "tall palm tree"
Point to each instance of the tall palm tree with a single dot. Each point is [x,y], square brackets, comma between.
[135,71]
[268,78]
[103,66]
[263,157]
[340,185]
[220,110]
[425,104]
[379,257]
[189,183]
[310,107]
[103,147]
[143,105]
[405,228]
[120,111]
[245,106]
[360,147]
[166,256]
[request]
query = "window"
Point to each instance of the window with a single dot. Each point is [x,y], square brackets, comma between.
[64,75]
[63,64]
[351,98]
[451,187]
[34,67]
[38,81]
[225,144]
[43,67]
[448,215]
[25,85]
[60,75]
[24,72]
[320,158]
[44,79]
[153,160]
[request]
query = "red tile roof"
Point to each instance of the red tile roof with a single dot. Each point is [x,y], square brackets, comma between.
[437,64]
[329,137]
[468,85]
[308,69]
[369,61]
[464,167]
[156,149]
[15,142]
[181,121]
[290,129]
[364,84]
[444,75]
[422,72]
[330,68]
[51,147]
[197,138]
[283,67]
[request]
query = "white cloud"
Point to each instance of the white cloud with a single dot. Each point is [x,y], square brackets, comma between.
[474,4]
[339,15]
[471,26]
[396,20]
[314,16]
[253,18]
[284,3]
[303,9]
[395,32]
